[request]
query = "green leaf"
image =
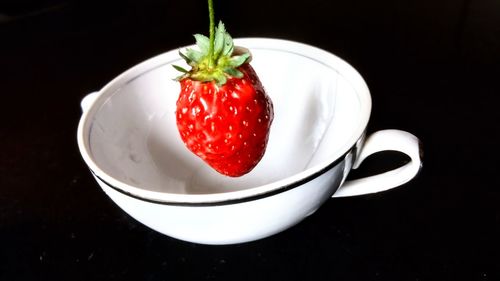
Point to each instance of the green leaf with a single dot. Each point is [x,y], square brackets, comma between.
[194,56]
[238,60]
[233,72]
[221,80]
[178,68]
[215,58]
[220,31]
[183,56]
[228,45]
[203,42]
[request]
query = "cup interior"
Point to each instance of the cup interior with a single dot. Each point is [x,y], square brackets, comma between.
[320,112]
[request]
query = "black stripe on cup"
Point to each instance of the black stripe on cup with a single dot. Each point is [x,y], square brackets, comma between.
[281,189]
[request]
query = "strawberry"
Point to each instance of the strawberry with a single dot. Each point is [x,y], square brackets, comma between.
[223,113]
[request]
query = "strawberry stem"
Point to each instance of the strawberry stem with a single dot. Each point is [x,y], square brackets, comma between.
[211,60]
[214,59]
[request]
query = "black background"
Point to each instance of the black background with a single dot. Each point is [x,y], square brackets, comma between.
[433,69]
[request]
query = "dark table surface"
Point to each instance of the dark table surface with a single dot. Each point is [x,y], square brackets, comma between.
[433,68]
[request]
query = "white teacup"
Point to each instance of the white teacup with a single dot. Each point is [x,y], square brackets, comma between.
[128,138]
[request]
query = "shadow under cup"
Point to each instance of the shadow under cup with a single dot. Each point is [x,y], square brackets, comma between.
[133,136]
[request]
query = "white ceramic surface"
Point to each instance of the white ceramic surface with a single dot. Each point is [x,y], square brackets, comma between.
[128,138]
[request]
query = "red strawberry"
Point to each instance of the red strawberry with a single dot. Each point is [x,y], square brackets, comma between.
[223,113]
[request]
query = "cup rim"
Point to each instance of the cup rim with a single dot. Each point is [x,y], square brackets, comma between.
[230,197]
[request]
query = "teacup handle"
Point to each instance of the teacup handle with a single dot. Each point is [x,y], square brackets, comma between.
[88,100]
[394,140]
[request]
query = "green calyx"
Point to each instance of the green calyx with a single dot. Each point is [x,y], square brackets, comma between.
[216,59]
